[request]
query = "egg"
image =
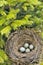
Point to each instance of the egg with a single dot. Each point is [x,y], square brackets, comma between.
[22,49]
[31,46]
[27,50]
[26,45]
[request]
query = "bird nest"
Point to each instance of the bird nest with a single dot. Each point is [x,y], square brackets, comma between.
[16,40]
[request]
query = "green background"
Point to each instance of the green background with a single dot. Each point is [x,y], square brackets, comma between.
[15,14]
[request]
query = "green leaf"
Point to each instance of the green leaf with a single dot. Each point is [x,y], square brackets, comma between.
[12,14]
[2,43]
[6,30]
[21,0]
[2,2]
[2,21]
[1,60]
[18,23]
[34,2]
[3,55]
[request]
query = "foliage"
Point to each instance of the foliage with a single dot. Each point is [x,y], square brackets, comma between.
[15,13]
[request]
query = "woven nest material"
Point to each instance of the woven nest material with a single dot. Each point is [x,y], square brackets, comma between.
[16,40]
